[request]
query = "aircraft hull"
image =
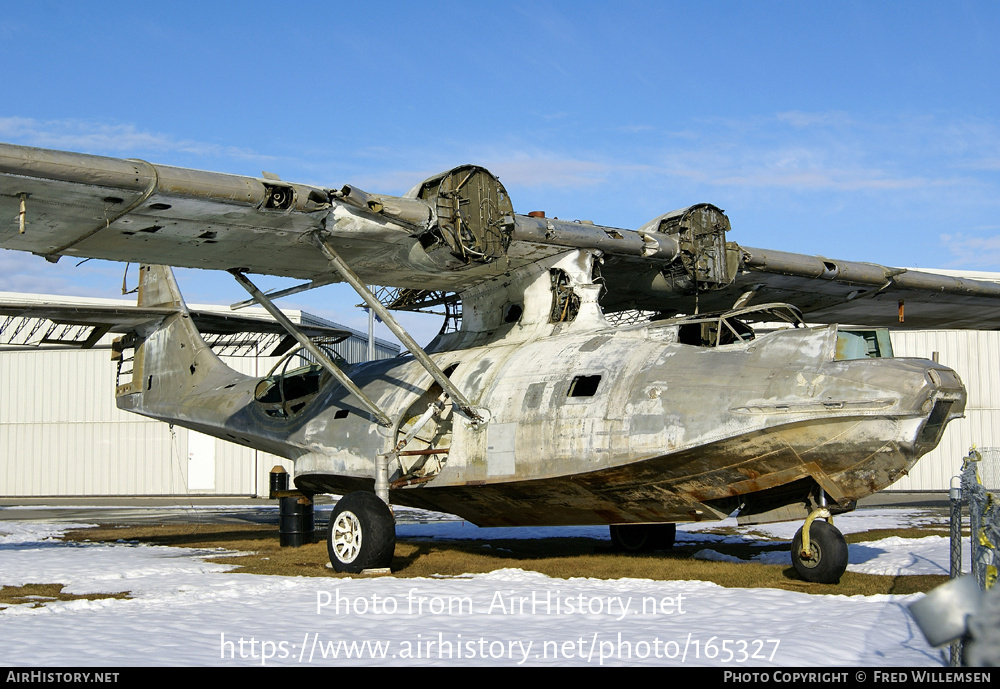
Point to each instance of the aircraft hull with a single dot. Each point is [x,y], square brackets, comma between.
[729,431]
[849,457]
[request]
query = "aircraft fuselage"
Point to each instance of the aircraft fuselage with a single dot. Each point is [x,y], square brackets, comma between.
[607,425]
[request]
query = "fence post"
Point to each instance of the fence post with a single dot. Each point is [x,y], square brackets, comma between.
[955,533]
[970,482]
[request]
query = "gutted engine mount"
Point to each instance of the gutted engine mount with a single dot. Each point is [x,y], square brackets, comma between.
[472,217]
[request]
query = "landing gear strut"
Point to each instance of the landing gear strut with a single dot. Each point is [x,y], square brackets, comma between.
[820,557]
[362,533]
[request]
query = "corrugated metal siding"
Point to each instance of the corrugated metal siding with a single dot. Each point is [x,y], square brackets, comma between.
[975,356]
[61,434]
[356,349]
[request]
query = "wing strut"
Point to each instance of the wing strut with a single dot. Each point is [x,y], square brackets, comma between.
[283,293]
[322,358]
[338,264]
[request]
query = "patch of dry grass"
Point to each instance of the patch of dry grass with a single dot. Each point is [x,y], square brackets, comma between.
[40,594]
[556,557]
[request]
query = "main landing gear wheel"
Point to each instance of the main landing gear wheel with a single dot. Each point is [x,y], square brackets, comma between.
[637,538]
[826,560]
[361,534]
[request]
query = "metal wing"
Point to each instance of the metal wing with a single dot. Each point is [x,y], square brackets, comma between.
[24,322]
[826,291]
[831,291]
[449,233]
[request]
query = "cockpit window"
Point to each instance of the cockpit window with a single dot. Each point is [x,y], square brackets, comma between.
[863,344]
[718,329]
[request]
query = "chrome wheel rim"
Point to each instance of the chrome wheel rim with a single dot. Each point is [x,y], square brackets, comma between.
[346,536]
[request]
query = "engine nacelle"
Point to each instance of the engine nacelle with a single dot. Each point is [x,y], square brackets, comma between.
[472,212]
[705,260]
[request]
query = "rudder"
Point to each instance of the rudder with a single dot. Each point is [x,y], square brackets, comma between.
[165,360]
[157,287]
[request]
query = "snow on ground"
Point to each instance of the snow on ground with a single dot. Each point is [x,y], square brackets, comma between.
[188,611]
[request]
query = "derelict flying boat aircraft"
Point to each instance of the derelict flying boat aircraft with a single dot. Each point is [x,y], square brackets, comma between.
[540,409]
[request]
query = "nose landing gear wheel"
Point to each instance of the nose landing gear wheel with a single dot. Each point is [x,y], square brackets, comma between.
[826,560]
[361,534]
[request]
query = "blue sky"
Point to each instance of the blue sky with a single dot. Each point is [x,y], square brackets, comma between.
[864,131]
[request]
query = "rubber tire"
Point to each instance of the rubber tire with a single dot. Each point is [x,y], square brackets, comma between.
[639,538]
[830,548]
[370,519]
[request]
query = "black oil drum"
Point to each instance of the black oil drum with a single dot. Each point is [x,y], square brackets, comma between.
[296,524]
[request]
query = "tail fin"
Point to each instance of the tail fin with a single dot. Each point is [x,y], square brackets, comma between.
[157,287]
[171,365]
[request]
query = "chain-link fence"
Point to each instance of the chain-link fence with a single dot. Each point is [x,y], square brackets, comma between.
[989,469]
[980,490]
[984,513]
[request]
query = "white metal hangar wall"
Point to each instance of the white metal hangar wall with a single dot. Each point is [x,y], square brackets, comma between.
[62,435]
[975,356]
